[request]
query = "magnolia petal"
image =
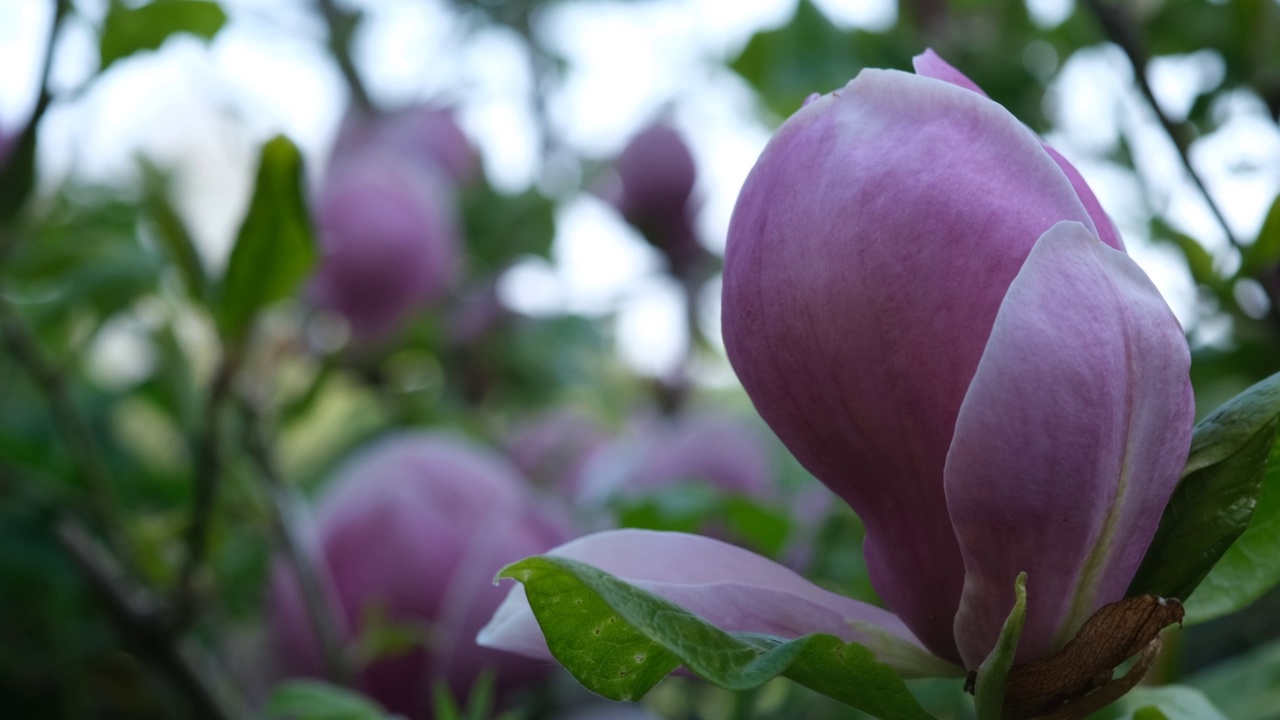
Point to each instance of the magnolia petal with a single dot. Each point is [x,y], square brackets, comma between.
[868,254]
[736,590]
[1068,444]
[930,64]
[1106,229]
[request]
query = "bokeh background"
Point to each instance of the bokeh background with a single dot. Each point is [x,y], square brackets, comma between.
[472,311]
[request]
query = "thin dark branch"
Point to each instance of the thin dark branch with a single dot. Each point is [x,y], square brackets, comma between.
[74,427]
[207,474]
[60,10]
[1121,31]
[292,541]
[137,615]
[342,25]
[22,150]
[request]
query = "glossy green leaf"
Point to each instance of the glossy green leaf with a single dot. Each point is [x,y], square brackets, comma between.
[1209,510]
[994,671]
[619,641]
[1167,702]
[1251,566]
[1217,497]
[274,250]
[1264,253]
[311,700]
[128,30]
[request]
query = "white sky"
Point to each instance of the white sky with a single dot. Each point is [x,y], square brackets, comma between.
[203,108]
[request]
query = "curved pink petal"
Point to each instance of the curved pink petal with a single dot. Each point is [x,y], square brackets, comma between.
[1068,444]
[869,251]
[930,64]
[736,590]
[1107,231]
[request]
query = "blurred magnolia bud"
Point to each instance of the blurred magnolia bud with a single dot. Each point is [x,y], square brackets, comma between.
[555,448]
[716,450]
[423,135]
[388,239]
[657,174]
[653,190]
[410,534]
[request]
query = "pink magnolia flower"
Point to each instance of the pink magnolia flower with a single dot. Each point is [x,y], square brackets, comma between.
[414,527]
[556,448]
[931,310]
[700,447]
[424,135]
[386,216]
[388,241]
[653,190]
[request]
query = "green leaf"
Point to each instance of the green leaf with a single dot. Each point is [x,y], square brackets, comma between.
[1217,497]
[1251,566]
[129,30]
[619,641]
[1264,253]
[500,228]
[811,55]
[170,230]
[1199,260]
[312,700]
[1244,686]
[1210,508]
[994,671]
[691,506]
[1167,702]
[274,250]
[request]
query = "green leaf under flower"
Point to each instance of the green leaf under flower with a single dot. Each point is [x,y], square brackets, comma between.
[1216,500]
[619,641]
[1251,566]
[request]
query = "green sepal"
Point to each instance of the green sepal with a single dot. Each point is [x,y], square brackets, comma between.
[994,671]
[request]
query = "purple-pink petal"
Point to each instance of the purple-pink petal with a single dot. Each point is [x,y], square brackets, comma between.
[1068,444]
[930,64]
[734,589]
[868,253]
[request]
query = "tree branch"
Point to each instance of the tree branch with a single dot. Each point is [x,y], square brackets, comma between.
[79,439]
[207,474]
[137,615]
[292,541]
[342,27]
[1120,30]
